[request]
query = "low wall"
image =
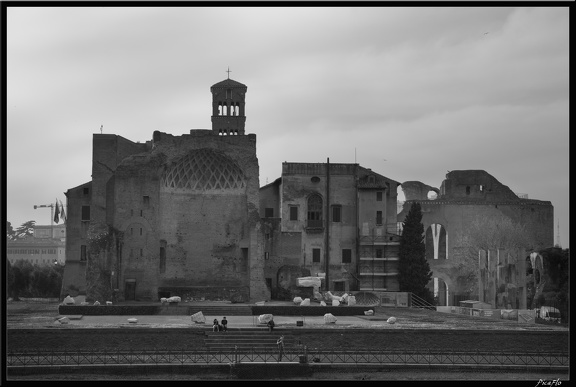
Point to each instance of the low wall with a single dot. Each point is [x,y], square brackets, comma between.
[342,310]
[525,316]
[109,310]
[206,293]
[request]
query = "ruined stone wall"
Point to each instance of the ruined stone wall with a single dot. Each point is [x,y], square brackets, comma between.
[207,229]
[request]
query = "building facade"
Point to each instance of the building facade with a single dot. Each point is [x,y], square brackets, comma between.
[175,215]
[47,246]
[448,214]
[334,221]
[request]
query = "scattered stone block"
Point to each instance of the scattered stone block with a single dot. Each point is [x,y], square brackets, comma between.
[260,303]
[305,302]
[322,303]
[344,297]
[297,300]
[198,318]
[96,303]
[84,303]
[329,318]
[163,300]
[64,320]
[335,303]
[369,312]
[391,320]
[351,300]
[108,302]
[264,318]
[174,300]
[69,300]
[132,320]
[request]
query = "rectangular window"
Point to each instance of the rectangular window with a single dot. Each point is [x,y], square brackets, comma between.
[85,213]
[315,255]
[140,230]
[268,212]
[346,256]
[378,253]
[83,252]
[141,252]
[293,213]
[379,196]
[379,218]
[146,200]
[336,213]
[86,191]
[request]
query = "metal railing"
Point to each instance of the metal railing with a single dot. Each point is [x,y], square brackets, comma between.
[418,302]
[298,354]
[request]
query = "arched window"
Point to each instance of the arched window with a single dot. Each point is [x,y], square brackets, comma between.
[436,242]
[314,211]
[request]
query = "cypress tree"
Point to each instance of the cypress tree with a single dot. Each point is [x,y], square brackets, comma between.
[413,269]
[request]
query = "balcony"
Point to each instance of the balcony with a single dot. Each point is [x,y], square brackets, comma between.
[314,226]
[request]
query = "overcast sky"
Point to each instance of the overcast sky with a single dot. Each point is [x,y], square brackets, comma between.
[408,92]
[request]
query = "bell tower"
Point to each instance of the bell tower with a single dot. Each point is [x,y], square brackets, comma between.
[228,102]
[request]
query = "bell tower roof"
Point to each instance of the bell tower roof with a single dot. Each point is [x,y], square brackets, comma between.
[228,83]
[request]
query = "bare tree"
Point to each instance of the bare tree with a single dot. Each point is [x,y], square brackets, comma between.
[487,234]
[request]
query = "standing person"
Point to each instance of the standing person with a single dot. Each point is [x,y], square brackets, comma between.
[270,325]
[280,344]
[215,325]
[224,324]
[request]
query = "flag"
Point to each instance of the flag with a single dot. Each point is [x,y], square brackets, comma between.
[62,213]
[56,213]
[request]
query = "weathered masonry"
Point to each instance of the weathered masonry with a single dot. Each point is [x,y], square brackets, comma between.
[336,221]
[175,215]
[464,196]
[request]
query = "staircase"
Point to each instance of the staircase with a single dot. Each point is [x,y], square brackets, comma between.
[246,339]
[220,311]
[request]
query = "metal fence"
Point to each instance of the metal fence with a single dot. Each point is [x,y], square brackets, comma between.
[301,355]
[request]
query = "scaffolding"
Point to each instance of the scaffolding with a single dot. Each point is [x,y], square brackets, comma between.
[378,262]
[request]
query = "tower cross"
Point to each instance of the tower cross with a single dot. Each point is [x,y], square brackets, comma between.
[228,71]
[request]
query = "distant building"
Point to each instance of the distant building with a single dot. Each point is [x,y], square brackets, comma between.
[46,246]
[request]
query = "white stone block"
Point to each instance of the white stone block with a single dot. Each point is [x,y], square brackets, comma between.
[96,303]
[297,300]
[369,312]
[305,302]
[108,302]
[132,320]
[198,318]
[329,318]
[335,303]
[64,320]
[391,320]
[322,303]
[69,301]
[351,300]
[264,318]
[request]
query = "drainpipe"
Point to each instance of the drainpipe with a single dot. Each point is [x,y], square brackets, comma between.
[327,248]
